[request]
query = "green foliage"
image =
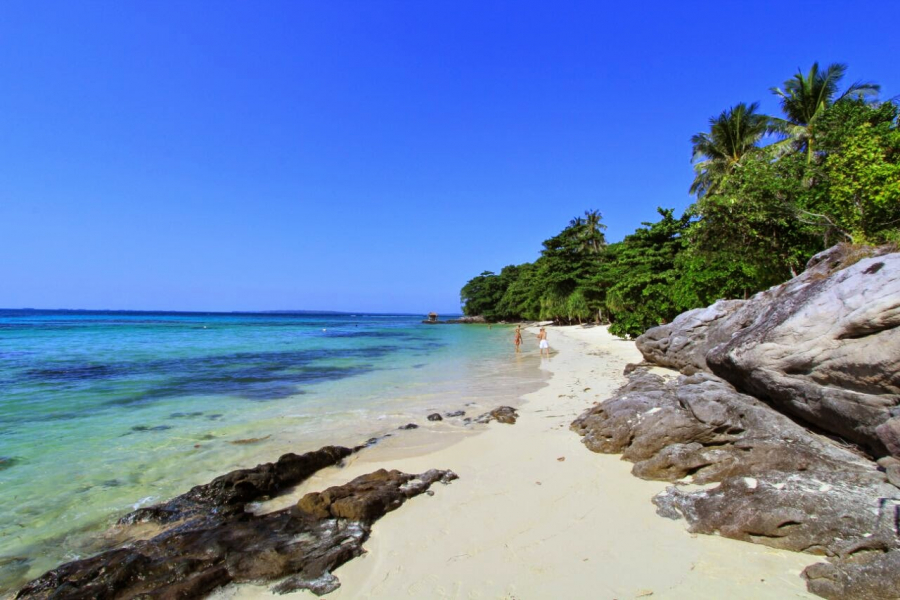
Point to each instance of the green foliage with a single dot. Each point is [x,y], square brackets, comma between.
[577,307]
[640,281]
[761,212]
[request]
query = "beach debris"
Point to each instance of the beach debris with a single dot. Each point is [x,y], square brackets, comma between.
[561,459]
[217,542]
[250,440]
[435,417]
[409,426]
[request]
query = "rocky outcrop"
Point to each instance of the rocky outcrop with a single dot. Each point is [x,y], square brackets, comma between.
[823,347]
[214,541]
[684,343]
[229,493]
[460,320]
[779,484]
[501,414]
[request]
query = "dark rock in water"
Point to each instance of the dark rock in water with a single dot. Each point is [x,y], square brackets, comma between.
[7,462]
[148,428]
[371,442]
[409,426]
[780,484]
[231,545]
[228,494]
[183,415]
[823,347]
[501,414]
[460,320]
[455,413]
[435,417]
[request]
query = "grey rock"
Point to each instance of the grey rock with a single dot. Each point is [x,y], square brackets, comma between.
[822,347]
[409,426]
[779,483]
[435,417]
[684,343]
[456,413]
[868,575]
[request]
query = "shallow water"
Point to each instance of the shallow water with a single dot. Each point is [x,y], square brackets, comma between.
[103,412]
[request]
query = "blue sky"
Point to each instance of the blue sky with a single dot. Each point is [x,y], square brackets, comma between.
[364,155]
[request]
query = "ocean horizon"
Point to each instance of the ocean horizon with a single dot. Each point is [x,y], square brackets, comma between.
[102,412]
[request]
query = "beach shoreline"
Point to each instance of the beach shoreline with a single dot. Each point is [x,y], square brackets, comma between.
[534,514]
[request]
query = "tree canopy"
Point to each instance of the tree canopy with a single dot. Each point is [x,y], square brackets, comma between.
[771,191]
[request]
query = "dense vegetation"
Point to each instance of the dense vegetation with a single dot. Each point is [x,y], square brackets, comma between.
[770,193]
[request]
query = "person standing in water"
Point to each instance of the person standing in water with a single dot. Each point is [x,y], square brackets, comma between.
[518,339]
[544,344]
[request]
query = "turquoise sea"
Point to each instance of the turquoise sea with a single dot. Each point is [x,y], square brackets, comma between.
[103,412]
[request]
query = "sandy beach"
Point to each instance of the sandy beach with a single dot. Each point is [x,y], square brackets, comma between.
[534,514]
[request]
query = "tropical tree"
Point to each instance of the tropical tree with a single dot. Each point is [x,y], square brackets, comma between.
[732,135]
[805,98]
[589,231]
[577,307]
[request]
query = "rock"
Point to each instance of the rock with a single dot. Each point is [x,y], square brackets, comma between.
[684,343]
[435,417]
[699,426]
[817,512]
[886,461]
[779,483]
[409,426]
[822,347]
[501,414]
[460,320]
[889,434]
[229,493]
[193,559]
[870,575]
[893,475]
[455,413]
[369,497]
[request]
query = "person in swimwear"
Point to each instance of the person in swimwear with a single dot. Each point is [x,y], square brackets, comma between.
[544,344]
[518,339]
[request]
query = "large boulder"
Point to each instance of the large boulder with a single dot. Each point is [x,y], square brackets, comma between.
[826,350]
[683,343]
[822,347]
[779,483]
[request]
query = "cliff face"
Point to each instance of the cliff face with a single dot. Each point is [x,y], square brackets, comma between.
[772,390]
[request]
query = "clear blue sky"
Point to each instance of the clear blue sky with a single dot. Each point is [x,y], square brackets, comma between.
[364,155]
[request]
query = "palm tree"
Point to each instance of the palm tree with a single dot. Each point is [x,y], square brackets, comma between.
[588,231]
[805,98]
[732,135]
[594,240]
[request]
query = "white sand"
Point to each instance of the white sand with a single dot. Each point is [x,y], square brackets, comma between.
[520,523]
